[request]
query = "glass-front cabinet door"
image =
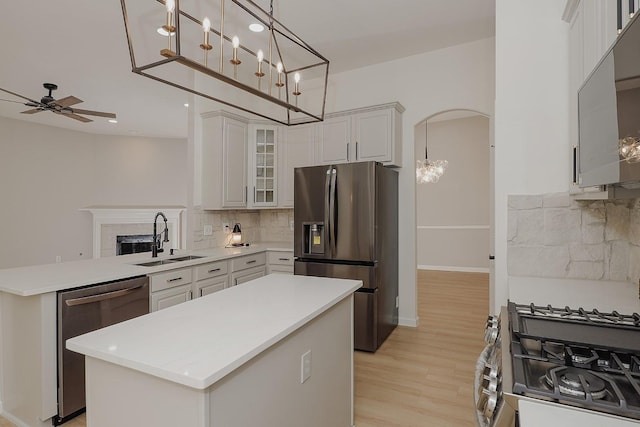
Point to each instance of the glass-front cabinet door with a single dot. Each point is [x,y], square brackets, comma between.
[264,165]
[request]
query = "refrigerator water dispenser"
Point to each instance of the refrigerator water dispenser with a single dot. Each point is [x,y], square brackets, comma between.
[314,238]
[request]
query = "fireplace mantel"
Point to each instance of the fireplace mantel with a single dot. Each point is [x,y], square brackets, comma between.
[108,215]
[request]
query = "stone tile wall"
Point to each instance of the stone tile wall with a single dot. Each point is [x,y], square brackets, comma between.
[553,235]
[266,225]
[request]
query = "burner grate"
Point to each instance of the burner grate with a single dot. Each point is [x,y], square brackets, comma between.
[580,314]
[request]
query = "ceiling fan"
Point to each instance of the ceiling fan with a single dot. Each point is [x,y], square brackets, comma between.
[59,106]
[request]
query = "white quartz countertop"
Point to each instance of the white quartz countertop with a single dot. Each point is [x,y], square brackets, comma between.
[199,342]
[40,279]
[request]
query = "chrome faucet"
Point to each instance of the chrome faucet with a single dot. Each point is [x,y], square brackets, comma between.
[154,247]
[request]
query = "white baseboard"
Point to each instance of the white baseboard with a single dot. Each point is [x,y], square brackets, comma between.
[409,321]
[453,268]
[18,422]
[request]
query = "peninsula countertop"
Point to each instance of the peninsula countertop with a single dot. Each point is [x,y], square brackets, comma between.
[40,279]
[199,342]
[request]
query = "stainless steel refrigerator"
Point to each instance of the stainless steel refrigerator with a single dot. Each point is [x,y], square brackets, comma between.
[346,226]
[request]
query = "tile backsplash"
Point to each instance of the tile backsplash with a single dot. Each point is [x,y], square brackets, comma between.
[266,225]
[553,235]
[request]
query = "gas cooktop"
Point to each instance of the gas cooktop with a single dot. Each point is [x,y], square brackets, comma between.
[582,358]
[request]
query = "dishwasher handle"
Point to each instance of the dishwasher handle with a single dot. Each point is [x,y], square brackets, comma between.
[101,297]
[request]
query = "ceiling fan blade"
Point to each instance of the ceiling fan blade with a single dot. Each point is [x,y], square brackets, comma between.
[74,116]
[20,96]
[35,110]
[66,102]
[94,113]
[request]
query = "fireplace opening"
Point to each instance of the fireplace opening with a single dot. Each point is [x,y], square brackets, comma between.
[133,244]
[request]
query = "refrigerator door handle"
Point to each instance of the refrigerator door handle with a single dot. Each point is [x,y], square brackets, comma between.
[332,212]
[327,206]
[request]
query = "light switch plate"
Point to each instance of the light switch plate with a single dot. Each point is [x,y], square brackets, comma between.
[305,367]
[291,225]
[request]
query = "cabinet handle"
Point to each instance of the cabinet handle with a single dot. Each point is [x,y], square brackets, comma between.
[348,159]
[283,259]
[251,262]
[254,194]
[245,194]
[357,157]
[201,292]
[214,270]
[190,295]
[175,279]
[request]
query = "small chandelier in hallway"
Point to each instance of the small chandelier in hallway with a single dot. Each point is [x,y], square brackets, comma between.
[429,171]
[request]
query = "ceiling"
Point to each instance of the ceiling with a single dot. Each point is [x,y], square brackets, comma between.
[81,46]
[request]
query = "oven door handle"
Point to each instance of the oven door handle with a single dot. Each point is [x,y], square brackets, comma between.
[101,297]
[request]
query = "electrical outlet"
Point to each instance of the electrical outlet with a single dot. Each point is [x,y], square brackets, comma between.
[225,227]
[58,258]
[208,230]
[291,225]
[305,367]
[397,302]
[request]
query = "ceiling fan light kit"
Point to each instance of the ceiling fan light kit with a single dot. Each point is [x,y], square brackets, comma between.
[209,51]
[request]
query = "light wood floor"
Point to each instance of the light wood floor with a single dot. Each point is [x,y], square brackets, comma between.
[424,376]
[421,376]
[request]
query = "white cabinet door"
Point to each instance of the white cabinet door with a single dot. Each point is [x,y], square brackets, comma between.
[209,286]
[244,276]
[334,142]
[223,162]
[170,297]
[296,150]
[373,135]
[264,145]
[234,165]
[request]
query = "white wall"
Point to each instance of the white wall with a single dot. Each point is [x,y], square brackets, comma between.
[459,77]
[48,173]
[531,112]
[453,214]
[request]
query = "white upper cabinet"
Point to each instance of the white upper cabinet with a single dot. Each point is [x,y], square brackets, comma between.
[264,142]
[296,149]
[373,133]
[224,162]
[334,136]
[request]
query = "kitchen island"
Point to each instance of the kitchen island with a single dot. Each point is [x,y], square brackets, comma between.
[277,351]
[28,318]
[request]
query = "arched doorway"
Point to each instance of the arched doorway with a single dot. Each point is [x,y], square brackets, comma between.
[453,216]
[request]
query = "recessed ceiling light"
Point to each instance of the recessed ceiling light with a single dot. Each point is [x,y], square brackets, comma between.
[164,32]
[112,121]
[256,28]
[186,104]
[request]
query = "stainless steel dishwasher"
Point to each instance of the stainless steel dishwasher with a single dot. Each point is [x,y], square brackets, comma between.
[84,310]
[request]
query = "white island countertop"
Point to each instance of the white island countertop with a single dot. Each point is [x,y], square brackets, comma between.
[41,279]
[199,342]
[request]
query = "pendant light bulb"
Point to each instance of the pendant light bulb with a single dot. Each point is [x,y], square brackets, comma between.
[279,67]
[260,55]
[206,24]
[171,5]
[296,77]
[236,42]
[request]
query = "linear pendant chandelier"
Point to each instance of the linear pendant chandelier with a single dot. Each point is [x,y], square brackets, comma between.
[229,51]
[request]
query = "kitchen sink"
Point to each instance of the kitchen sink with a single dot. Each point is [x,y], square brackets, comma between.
[186,258]
[168,260]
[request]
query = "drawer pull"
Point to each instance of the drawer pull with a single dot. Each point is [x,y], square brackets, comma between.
[251,262]
[175,279]
[214,270]
[283,259]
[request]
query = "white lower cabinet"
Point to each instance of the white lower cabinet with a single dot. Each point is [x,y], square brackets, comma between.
[170,297]
[280,262]
[170,288]
[248,267]
[240,277]
[210,277]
